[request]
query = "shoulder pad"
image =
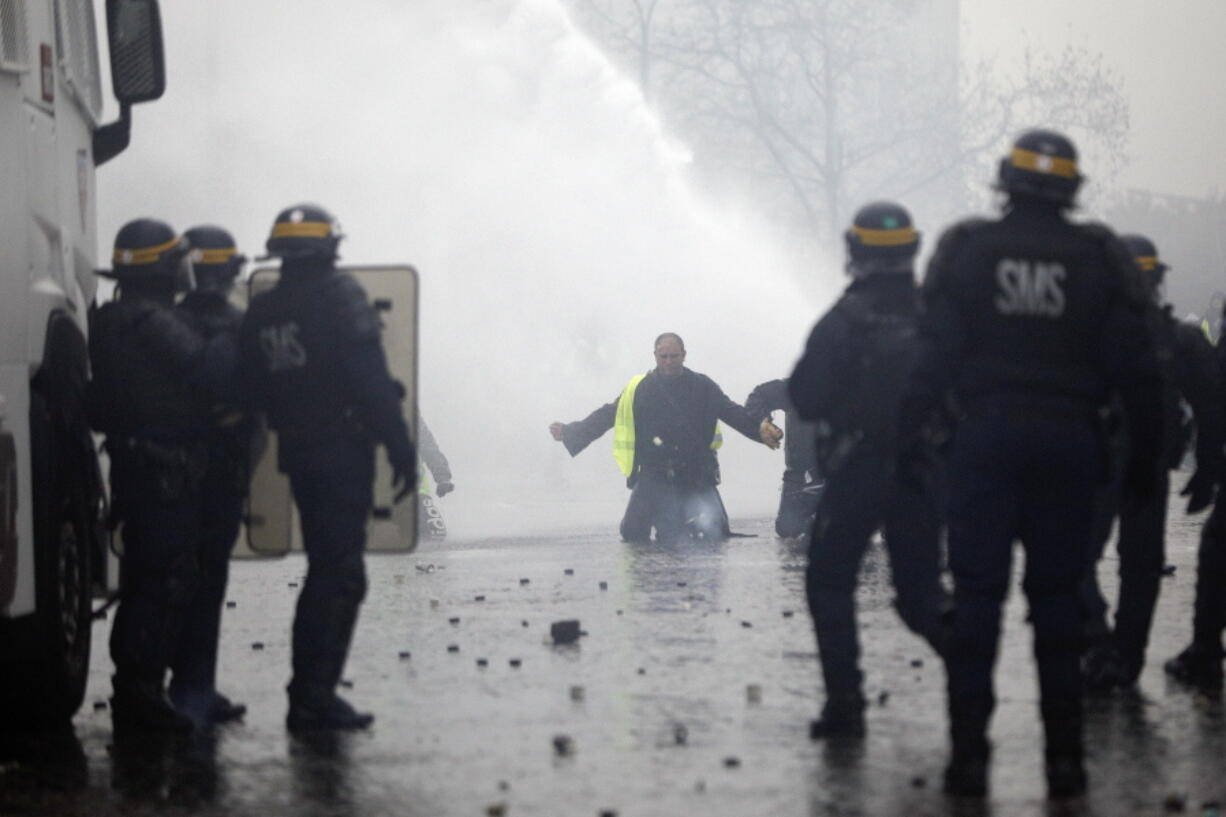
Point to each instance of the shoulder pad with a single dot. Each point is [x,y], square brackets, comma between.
[356,317]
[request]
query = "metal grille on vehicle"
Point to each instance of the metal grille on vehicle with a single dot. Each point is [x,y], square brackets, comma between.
[78,49]
[14,51]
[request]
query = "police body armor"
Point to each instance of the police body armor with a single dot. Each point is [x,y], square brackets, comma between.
[138,388]
[298,326]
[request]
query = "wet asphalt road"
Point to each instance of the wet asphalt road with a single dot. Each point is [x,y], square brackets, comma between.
[651,713]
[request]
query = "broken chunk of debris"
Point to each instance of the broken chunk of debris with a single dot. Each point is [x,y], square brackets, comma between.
[570,571]
[453,620]
[405,654]
[453,648]
[481,662]
[231,604]
[732,762]
[576,693]
[563,745]
[565,632]
[604,585]
[515,662]
[257,645]
[681,734]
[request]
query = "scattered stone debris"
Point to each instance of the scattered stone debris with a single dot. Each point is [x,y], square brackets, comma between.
[478,598]
[293,584]
[681,735]
[563,745]
[482,662]
[608,812]
[453,648]
[604,585]
[642,671]
[570,571]
[230,605]
[453,620]
[732,762]
[496,810]
[257,645]
[747,624]
[524,582]
[682,584]
[753,693]
[504,785]
[577,693]
[1168,570]
[619,612]
[405,655]
[433,604]
[883,698]
[99,705]
[515,662]
[565,632]
[523,623]
[346,683]
[788,613]
[916,662]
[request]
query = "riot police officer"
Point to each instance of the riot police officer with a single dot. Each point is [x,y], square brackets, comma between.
[311,357]
[849,382]
[152,375]
[216,263]
[1185,356]
[1030,320]
[1200,663]
[802,483]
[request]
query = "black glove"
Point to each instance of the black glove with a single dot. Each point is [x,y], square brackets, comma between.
[404,471]
[1199,490]
[443,489]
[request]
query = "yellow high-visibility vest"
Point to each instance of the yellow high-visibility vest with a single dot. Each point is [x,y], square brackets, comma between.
[623,428]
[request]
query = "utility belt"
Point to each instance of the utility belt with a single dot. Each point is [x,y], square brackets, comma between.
[315,429]
[1059,408]
[143,469]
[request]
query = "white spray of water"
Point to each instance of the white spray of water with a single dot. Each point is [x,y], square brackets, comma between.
[492,146]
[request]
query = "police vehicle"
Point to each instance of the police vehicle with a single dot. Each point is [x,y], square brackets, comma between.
[53,536]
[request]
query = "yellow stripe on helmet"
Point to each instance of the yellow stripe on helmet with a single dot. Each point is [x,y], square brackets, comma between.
[214,256]
[1042,163]
[885,238]
[1149,263]
[142,255]
[302,229]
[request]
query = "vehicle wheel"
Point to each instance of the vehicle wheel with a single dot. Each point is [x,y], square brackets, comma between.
[48,686]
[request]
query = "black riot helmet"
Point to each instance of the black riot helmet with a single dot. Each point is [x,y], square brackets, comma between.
[1042,164]
[1145,255]
[215,258]
[304,231]
[149,254]
[881,239]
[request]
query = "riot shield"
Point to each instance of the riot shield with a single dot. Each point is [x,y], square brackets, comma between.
[272,526]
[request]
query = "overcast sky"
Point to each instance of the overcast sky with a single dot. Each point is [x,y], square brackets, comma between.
[1171,56]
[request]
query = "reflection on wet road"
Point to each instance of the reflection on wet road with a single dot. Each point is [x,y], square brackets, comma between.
[689,694]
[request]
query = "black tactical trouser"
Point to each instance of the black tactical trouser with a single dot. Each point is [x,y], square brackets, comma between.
[1027,477]
[674,510]
[1142,552]
[332,483]
[797,504]
[860,498]
[1209,612]
[223,491]
[158,505]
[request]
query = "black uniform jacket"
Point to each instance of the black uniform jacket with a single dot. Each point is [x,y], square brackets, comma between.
[674,422]
[311,356]
[1034,312]
[153,375]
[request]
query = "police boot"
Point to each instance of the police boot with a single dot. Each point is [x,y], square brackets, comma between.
[319,709]
[205,707]
[1197,667]
[842,717]
[1102,668]
[141,704]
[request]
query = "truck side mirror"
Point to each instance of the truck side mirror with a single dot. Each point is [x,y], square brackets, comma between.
[138,69]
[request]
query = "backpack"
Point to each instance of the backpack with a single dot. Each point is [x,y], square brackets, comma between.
[875,367]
